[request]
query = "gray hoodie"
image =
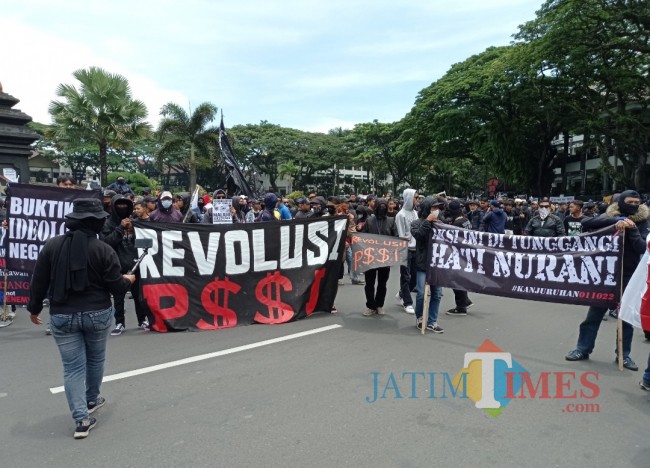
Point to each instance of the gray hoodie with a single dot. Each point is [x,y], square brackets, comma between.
[406,216]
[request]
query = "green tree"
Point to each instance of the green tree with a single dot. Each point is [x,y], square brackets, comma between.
[187,139]
[599,48]
[101,111]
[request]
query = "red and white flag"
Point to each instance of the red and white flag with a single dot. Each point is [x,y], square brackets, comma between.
[635,304]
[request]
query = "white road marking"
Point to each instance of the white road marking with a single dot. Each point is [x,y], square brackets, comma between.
[202,357]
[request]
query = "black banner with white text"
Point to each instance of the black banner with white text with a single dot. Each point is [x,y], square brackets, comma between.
[35,213]
[206,277]
[582,270]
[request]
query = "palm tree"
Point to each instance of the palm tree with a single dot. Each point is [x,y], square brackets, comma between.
[102,111]
[188,137]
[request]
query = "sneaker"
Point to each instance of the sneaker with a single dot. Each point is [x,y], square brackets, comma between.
[380,311]
[613,313]
[144,326]
[48,330]
[118,330]
[341,283]
[418,323]
[576,355]
[83,428]
[334,310]
[409,309]
[644,386]
[369,312]
[605,318]
[456,311]
[628,363]
[359,281]
[98,403]
[469,304]
[435,328]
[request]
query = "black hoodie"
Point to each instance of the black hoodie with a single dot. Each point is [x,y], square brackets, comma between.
[116,236]
[421,232]
[380,223]
[187,202]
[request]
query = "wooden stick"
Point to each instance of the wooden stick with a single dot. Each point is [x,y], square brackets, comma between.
[425,308]
[619,325]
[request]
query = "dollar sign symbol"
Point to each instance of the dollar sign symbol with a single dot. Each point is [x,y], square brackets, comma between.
[368,255]
[384,255]
[224,317]
[268,292]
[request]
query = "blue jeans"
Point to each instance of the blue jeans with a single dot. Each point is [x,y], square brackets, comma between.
[81,338]
[434,303]
[589,331]
[646,374]
[348,259]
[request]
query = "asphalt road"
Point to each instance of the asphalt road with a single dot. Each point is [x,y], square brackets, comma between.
[303,402]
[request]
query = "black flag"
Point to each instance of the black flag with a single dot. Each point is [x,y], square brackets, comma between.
[237,184]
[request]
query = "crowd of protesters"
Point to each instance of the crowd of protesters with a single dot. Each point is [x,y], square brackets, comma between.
[412,218]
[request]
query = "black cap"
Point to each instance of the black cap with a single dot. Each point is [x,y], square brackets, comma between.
[83,208]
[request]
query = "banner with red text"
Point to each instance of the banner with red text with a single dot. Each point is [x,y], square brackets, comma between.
[582,269]
[206,277]
[374,251]
[35,213]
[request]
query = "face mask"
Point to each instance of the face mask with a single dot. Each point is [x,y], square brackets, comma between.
[166,203]
[628,209]
[435,213]
[543,212]
[381,211]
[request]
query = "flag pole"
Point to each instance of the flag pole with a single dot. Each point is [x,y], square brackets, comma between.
[189,208]
[619,324]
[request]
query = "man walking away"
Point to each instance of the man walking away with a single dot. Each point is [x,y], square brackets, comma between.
[78,273]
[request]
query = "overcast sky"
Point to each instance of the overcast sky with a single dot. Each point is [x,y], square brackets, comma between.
[307,64]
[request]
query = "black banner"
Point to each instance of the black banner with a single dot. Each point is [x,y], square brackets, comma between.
[218,276]
[35,213]
[582,269]
[374,251]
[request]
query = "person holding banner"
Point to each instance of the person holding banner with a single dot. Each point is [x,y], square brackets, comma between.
[631,217]
[118,232]
[378,223]
[461,297]
[78,273]
[421,231]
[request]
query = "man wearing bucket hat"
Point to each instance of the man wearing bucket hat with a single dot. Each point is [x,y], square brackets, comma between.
[78,273]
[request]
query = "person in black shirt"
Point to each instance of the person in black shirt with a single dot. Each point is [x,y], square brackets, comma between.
[459,220]
[78,273]
[573,221]
[378,223]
